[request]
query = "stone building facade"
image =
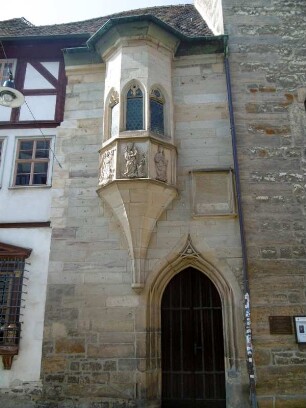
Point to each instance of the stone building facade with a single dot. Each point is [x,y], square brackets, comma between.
[114,253]
[267,58]
[152,202]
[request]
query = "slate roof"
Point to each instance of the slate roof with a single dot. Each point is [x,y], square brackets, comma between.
[184,18]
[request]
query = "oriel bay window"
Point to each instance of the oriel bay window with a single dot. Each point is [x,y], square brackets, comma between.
[32,162]
[12,263]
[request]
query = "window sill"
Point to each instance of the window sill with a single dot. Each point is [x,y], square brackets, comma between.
[26,186]
[137,135]
[216,215]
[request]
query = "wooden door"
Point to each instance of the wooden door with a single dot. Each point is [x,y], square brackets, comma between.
[192,343]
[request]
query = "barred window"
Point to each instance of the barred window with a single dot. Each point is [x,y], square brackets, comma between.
[134,108]
[157,111]
[11,278]
[12,266]
[32,162]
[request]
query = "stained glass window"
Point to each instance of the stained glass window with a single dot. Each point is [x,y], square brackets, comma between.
[134,109]
[157,112]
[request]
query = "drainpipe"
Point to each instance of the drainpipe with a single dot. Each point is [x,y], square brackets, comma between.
[247,314]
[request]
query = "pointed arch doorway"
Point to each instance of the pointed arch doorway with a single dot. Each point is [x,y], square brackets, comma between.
[192,343]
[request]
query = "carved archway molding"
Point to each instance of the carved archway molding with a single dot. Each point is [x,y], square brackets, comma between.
[232,311]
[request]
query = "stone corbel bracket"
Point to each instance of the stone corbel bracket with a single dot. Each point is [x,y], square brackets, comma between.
[138,204]
[137,180]
[7,354]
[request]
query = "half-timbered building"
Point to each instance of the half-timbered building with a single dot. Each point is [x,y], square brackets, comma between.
[27,142]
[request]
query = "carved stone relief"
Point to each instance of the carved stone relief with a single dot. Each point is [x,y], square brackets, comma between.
[161,164]
[113,99]
[134,90]
[189,250]
[107,170]
[142,166]
[134,162]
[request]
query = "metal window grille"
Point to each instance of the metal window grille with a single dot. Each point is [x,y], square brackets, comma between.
[11,284]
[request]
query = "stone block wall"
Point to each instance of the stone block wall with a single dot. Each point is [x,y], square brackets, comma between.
[96,330]
[267,57]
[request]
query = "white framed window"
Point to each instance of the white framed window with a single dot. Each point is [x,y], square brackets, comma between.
[32,162]
[5,67]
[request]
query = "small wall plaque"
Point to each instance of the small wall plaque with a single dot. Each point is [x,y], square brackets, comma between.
[213,193]
[280,325]
[300,328]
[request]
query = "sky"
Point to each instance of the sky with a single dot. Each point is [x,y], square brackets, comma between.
[40,12]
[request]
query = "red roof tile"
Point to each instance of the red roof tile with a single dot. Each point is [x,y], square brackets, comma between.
[184,18]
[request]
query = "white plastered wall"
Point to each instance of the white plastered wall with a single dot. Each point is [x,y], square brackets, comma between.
[22,204]
[18,205]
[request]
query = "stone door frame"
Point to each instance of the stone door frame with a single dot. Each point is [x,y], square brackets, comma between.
[233,327]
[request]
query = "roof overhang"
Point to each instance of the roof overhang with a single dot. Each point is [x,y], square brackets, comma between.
[145,27]
[117,31]
[42,38]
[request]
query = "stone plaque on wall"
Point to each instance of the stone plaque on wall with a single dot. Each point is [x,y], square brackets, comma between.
[280,325]
[213,193]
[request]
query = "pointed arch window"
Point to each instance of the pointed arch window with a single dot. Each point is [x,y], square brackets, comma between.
[157,102]
[134,108]
[114,114]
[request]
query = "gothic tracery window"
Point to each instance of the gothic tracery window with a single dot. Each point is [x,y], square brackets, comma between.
[134,108]
[157,111]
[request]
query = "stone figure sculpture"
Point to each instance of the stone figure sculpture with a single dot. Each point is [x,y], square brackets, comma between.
[130,155]
[107,170]
[142,171]
[161,164]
